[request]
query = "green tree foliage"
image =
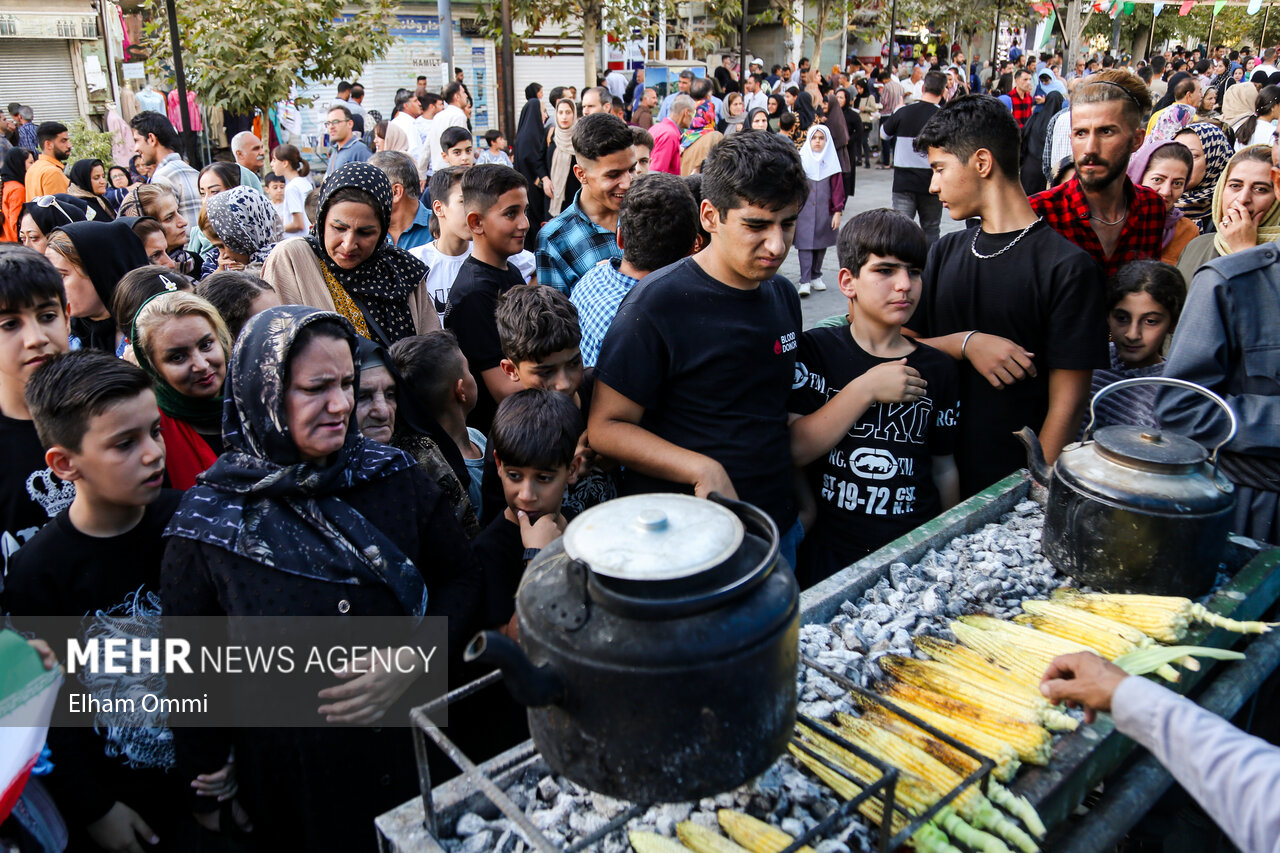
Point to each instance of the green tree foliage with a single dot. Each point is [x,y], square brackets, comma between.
[248,54]
[88,143]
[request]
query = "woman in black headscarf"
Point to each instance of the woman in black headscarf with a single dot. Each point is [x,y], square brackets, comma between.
[302,515]
[40,217]
[805,111]
[531,160]
[89,183]
[777,105]
[1034,138]
[346,264]
[92,257]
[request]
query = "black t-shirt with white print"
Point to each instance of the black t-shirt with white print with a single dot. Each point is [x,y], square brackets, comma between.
[712,367]
[30,494]
[877,482]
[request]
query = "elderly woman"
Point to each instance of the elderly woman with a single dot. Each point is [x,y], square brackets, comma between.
[243,226]
[386,411]
[159,203]
[1210,151]
[346,264]
[302,515]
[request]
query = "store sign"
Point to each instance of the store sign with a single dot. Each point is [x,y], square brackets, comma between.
[48,25]
[424,61]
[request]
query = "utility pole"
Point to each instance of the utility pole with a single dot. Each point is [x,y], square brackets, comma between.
[743,70]
[893,29]
[188,137]
[506,76]
[446,44]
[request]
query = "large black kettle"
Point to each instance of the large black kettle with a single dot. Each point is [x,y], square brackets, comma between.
[1133,509]
[658,647]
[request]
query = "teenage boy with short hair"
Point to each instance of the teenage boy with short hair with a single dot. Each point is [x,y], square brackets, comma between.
[873,414]
[585,232]
[656,227]
[534,441]
[457,146]
[684,410]
[1012,297]
[445,255]
[34,327]
[100,559]
[495,198]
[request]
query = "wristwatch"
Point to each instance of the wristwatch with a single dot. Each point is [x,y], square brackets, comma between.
[530,553]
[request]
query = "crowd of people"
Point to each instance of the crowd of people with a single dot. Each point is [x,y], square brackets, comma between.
[233,391]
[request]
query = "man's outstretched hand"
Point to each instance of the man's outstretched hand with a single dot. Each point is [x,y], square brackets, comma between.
[1082,680]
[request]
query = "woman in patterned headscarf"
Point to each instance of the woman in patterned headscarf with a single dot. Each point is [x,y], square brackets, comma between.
[347,265]
[242,225]
[302,515]
[1210,152]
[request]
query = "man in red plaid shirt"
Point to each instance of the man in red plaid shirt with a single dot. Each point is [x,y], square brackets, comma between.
[1020,100]
[1101,210]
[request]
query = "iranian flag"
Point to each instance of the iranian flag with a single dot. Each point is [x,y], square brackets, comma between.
[27,695]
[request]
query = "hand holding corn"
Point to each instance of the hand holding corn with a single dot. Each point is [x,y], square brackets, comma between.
[1082,680]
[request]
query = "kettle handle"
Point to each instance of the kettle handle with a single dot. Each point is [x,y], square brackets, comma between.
[1176,383]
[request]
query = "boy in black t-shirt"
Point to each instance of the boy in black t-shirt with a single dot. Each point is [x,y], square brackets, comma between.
[696,367]
[100,559]
[1017,301]
[495,198]
[33,327]
[873,414]
[535,440]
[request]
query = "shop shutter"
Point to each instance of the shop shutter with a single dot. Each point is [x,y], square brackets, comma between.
[38,73]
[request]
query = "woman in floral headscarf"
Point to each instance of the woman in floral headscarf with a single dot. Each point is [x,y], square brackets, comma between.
[302,515]
[243,225]
[1210,151]
[346,264]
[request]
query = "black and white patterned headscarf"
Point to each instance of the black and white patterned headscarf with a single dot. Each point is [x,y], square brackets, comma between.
[262,502]
[383,283]
[245,221]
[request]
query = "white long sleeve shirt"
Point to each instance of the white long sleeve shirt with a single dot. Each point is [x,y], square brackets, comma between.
[1232,775]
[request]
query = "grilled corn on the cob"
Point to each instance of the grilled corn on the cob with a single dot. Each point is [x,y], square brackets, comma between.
[1165,617]
[1112,639]
[1001,696]
[912,792]
[652,842]
[1005,757]
[927,839]
[700,839]
[962,763]
[1032,743]
[972,805]
[754,834]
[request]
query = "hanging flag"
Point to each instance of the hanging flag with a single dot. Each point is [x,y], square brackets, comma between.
[1217,7]
[1157,9]
[1254,7]
[1128,8]
[1048,31]
[1186,7]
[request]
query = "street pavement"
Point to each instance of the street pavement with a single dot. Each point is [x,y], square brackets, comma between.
[872,189]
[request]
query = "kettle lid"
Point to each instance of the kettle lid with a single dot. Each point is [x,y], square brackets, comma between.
[654,537]
[1149,447]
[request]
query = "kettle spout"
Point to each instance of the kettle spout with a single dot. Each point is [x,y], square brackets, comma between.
[1035,456]
[531,686]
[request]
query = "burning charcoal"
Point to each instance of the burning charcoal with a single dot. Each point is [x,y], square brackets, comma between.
[518,795]
[586,822]
[852,641]
[469,824]
[606,806]
[725,800]
[548,790]
[481,842]
[707,819]
[791,827]
[832,846]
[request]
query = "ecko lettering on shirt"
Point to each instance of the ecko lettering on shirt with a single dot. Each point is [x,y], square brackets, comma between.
[784,344]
